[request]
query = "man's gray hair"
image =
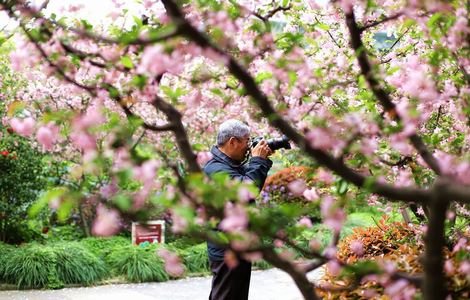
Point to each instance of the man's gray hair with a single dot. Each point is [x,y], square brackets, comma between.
[231,128]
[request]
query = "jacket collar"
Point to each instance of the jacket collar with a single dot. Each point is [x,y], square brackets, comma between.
[222,157]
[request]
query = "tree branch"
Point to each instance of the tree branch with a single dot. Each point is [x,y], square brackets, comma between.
[378,22]
[261,100]
[379,92]
[182,140]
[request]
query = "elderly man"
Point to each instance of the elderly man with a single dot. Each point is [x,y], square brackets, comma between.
[233,139]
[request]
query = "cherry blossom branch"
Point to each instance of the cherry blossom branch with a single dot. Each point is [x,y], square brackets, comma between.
[173,115]
[400,163]
[261,100]
[82,55]
[181,136]
[384,98]
[329,33]
[378,22]
[96,37]
[274,11]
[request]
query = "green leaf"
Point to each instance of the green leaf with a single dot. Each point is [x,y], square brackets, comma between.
[123,202]
[45,199]
[342,187]
[127,62]
[322,26]
[260,77]
[139,81]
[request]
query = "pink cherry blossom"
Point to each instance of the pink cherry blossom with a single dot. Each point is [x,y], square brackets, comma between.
[333,217]
[23,127]
[93,117]
[305,222]
[107,221]
[465,267]
[278,243]
[203,157]
[449,267]
[180,224]
[325,176]
[253,256]
[245,195]
[320,138]
[396,288]
[47,136]
[333,267]
[311,194]
[357,247]
[173,265]
[235,218]
[297,187]
[84,141]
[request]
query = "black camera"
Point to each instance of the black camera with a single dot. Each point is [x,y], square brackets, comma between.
[274,143]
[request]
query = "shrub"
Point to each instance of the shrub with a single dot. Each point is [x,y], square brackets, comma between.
[195,258]
[23,178]
[380,240]
[137,264]
[77,265]
[52,266]
[58,233]
[5,250]
[32,267]
[102,247]
[395,242]
[181,241]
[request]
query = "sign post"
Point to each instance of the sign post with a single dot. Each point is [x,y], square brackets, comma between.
[150,231]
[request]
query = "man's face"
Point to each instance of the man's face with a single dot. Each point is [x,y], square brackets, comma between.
[239,147]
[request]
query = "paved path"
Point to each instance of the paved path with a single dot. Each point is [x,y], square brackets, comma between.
[265,285]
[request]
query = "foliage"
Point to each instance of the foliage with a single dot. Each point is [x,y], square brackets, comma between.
[374,93]
[102,247]
[195,259]
[33,267]
[52,266]
[5,249]
[381,239]
[137,264]
[77,265]
[397,245]
[58,233]
[22,179]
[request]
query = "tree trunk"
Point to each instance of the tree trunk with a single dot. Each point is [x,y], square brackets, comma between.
[434,285]
[84,221]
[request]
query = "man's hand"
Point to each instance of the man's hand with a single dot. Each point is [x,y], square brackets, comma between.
[262,150]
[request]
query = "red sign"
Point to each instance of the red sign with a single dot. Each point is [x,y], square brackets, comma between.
[151,231]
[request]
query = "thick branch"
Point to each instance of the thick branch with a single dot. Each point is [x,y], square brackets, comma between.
[182,140]
[379,92]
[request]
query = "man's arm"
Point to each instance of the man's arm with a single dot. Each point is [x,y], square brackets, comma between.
[255,170]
